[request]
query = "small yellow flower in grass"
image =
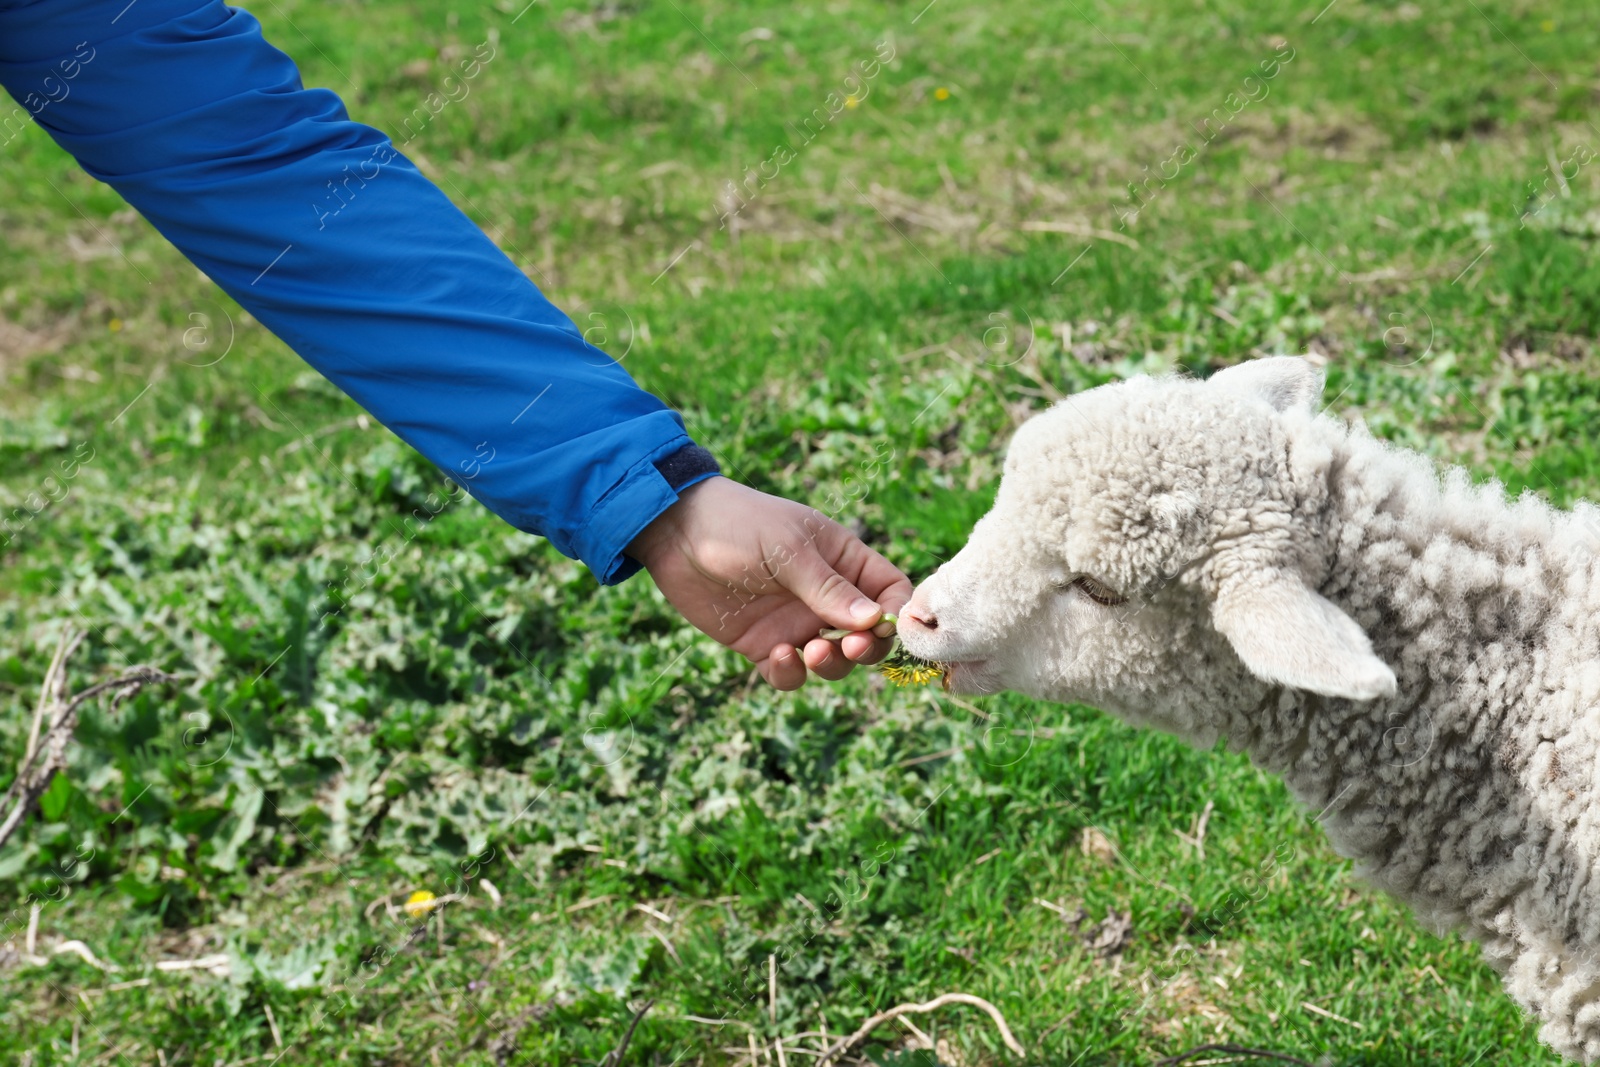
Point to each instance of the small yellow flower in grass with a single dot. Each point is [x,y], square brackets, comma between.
[941,93]
[852,101]
[419,903]
[1548,26]
[114,325]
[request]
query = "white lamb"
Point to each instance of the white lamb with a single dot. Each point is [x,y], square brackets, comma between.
[1419,659]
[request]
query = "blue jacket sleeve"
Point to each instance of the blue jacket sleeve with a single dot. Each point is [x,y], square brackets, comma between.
[320,229]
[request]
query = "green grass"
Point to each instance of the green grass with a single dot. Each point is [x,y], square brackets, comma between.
[368,709]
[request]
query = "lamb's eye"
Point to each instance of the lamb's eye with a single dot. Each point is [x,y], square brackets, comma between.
[1098,592]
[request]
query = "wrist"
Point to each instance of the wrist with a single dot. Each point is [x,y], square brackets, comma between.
[684,470]
[662,531]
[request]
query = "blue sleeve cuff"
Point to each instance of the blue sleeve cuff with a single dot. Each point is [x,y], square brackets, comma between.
[649,489]
[687,465]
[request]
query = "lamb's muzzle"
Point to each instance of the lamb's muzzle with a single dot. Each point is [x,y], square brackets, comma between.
[1418,658]
[964,670]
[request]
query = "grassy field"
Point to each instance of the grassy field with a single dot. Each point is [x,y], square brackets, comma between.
[854,286]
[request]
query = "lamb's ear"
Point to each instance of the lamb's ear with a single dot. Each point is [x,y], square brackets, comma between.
[1283,381]
[1286,633]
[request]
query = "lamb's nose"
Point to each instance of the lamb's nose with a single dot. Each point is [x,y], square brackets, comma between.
[923,617]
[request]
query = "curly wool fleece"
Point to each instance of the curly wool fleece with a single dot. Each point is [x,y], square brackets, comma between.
[1418,658]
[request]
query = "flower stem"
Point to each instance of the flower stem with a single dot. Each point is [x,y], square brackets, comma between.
[834,635]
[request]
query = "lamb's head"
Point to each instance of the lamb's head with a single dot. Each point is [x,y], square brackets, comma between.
[1153,549]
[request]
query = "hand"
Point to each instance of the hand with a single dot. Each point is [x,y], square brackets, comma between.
[762,575]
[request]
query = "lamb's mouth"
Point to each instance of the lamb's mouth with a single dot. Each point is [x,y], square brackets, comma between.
[963,675]
[904,667]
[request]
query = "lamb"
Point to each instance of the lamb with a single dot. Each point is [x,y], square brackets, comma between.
[1418,658]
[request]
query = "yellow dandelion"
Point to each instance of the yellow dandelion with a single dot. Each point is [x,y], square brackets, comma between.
[419,903]
[852,101]
[114,325]
[902,668]
[941,93]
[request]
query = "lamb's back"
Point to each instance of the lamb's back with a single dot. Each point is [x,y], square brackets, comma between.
[1472,794]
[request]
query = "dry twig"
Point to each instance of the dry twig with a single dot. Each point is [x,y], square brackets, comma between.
[216,963]
[78,948]
[614,1057]
[55,720]
[1078,229]
[839,1048]
[1197,839]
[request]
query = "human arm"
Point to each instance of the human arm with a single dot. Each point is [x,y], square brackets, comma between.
[330,237]
[323,231]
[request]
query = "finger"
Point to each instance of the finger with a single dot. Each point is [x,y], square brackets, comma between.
[834,598]
[785,669]
[883,582]
[868,570]
[826,660]
[863,648]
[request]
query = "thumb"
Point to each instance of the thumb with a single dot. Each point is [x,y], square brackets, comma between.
[830,594]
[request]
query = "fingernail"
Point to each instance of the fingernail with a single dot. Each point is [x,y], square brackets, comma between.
[865,610]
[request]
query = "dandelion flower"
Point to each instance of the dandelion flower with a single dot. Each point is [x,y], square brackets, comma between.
[852,101]
[419,903]
[901,668]
[941,93]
